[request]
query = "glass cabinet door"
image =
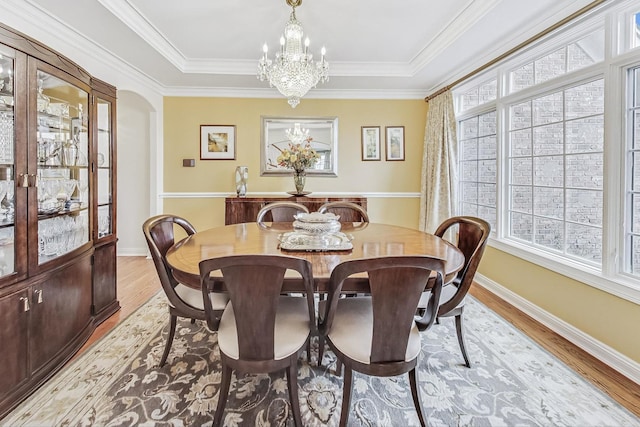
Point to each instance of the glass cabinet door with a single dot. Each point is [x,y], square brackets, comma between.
[7,163]
[103,163]
[62,166]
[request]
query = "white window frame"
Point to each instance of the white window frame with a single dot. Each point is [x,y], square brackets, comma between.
[620,56]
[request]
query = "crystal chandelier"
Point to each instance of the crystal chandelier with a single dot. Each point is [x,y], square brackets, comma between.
[293,72]
[297,135]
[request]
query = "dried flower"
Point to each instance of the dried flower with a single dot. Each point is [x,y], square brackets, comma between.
[298,156]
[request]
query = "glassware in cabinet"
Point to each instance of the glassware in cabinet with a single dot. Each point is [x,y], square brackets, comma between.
[7,163]
[62,167]
[104,146]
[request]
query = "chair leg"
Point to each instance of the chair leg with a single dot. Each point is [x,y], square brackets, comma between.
[460,333]
[415,392]
[292,379]
[320,349]
[222,395]
[172,330]
[338,367]
[346,396]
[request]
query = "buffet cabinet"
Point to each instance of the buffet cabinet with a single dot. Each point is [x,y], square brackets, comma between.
[245,209]
[57,212]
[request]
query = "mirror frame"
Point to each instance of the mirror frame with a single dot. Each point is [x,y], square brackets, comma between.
[323,130]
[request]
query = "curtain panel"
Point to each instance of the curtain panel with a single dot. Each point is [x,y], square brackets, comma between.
[439,176]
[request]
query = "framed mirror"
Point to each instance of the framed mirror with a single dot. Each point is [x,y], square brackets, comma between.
[321,132]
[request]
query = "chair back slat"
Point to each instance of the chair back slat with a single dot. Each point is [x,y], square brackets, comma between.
[472,234]
[348,211]
[395,294]
[281,211]
[254,284]
[159,234]
[396,284]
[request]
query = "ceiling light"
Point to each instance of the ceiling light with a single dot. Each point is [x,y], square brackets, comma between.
[293,72]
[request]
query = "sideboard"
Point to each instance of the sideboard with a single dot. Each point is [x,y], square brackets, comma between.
[245,209]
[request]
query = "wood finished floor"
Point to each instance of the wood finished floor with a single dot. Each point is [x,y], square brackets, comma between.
[137,282]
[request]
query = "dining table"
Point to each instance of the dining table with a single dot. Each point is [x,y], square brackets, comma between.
[369,240]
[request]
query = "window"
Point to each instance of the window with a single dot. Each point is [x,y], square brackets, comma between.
[552,161]
[556,171]
[632,231]
[477,167]
[480,94]
[571,57]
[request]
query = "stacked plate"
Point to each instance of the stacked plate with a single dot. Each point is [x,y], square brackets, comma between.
[316,223]
[316,232]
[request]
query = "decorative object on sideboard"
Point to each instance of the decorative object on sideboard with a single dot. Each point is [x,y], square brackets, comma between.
[394,143]
[293,72]
[299,156]
[242,175]
[217,142]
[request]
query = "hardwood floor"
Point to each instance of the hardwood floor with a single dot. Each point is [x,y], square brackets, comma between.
[138,281]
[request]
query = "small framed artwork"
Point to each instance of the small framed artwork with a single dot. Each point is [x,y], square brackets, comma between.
[395,142]
[370,136]
[217,142]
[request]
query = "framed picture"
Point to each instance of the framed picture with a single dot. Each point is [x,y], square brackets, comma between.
[370,136]
[320,132]
[217,142]
[395,142]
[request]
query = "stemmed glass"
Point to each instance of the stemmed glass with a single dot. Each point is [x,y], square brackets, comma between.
[3,192]
[10,200]
[83,186]
[69,186]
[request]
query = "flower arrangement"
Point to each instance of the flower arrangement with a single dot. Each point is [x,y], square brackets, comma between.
[298,156]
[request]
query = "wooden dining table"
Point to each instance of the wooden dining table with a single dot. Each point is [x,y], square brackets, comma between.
[370,240]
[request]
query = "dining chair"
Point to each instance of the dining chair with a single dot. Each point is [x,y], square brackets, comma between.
[376,335]
[471,236]
[261,330]
[348,211]
[184,301]
[281,211]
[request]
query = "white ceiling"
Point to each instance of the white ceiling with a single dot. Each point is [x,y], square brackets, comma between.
[408,48]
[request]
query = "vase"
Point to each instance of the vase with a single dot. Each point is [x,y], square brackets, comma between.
[299,178]
[242,174]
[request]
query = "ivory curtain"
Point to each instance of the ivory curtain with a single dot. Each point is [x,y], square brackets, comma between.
[439,164]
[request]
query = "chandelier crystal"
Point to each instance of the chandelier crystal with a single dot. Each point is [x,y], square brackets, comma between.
[297,135]
[293,72]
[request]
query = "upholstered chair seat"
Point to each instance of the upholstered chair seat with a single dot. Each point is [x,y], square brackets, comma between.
[352,332]
[291,331]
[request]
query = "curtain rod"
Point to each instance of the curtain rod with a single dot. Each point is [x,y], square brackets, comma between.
[511,51]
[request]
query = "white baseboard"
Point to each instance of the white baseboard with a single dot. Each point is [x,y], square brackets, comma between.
[621,363]
[133,251]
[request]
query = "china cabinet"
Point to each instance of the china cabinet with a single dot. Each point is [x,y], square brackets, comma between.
[57,204]
[245,209]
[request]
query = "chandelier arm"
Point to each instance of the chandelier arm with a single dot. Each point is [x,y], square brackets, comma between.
[293,71]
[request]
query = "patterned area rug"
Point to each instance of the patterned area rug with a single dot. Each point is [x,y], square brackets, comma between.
[512,382]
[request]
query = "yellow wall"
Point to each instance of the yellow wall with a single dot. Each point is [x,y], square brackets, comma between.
[184,115]
[603,316]
[607,318]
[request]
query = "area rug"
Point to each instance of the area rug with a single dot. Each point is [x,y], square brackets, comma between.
[512,382]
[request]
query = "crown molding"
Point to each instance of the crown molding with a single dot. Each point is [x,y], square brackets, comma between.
[135,20]
[472,13]
[237,92]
